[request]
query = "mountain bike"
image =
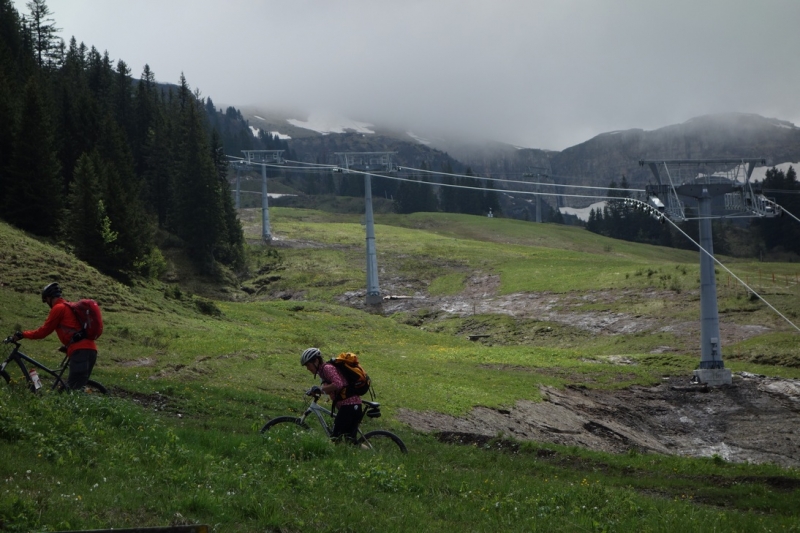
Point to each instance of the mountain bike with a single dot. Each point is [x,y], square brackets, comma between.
[51,374]
[378,440]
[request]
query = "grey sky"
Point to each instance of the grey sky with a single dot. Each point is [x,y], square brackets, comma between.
[540,74]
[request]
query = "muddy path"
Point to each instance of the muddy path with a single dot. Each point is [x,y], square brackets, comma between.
[599,312]
[756,420]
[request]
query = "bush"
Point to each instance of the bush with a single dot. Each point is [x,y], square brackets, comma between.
[152,266]
[206,306]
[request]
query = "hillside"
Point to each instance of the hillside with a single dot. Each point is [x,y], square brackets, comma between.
[192,381]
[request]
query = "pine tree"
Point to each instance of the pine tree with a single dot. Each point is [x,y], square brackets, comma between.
[87,217]
[77,112]
[199,215]
[406,197]
[595,221]
[781,233]
[10,48]
[43,33]
[122,200]
[230,247]
[34,188]
[123,96]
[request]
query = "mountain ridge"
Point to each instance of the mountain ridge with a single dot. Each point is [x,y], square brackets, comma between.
[597,162]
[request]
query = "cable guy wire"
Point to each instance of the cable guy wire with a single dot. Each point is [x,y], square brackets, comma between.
[703,250]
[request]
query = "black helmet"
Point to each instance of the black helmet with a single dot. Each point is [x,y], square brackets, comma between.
[308,355]
[51,290]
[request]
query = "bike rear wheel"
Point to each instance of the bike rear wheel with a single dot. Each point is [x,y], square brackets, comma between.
[284,421]
[94,387]
[383,442]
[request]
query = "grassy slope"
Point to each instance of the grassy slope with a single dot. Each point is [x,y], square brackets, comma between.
[226,375]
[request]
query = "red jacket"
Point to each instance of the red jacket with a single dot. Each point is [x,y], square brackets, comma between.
[61,320]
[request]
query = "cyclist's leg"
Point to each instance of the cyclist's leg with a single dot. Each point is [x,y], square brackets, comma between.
[81,363]
[345,425]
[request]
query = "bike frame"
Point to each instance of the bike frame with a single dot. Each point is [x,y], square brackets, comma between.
[322,415]
[56,373]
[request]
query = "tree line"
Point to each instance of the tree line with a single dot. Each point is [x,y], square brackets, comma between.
[107,165]
[761,237]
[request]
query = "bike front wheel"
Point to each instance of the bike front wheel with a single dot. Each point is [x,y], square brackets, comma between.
[284,421]
[26,378]
[383,442]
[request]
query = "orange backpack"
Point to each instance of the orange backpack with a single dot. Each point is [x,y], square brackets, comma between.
[358,382]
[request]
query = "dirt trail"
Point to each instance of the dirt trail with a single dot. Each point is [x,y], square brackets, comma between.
[480,297]
[756,419]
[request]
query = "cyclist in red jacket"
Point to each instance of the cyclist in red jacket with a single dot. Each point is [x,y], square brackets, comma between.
[82,353]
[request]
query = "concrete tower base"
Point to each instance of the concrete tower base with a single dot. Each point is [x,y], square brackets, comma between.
[374,299]
[714,377]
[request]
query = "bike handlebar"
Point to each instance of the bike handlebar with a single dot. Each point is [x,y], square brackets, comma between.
[314,391]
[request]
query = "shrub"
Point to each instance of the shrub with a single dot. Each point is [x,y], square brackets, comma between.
[206,306]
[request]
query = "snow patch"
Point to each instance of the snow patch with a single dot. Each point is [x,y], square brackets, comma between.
[329,124]
[418,138]
[259,118]
[583,212]
[257,131]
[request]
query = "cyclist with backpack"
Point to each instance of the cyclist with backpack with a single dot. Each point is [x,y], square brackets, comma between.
[82,351]
[335,385]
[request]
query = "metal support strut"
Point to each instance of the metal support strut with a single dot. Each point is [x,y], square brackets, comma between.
[373,289]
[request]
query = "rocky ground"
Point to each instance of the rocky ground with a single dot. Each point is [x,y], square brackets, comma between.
[756,419]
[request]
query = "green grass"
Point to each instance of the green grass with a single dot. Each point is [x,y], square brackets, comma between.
[177,440]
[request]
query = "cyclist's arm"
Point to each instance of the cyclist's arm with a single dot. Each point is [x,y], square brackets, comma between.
[50,324]
[329,388]
[332,382]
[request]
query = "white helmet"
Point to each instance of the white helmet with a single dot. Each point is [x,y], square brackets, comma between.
[309,354]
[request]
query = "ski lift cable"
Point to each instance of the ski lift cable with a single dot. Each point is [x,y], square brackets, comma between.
[482,189]
[703,250]
[503,180]
[322,165]
[277,166]
[404,167]
[518,181]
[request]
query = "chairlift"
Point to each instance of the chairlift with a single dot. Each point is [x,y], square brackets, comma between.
[760,204]
[656,202]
